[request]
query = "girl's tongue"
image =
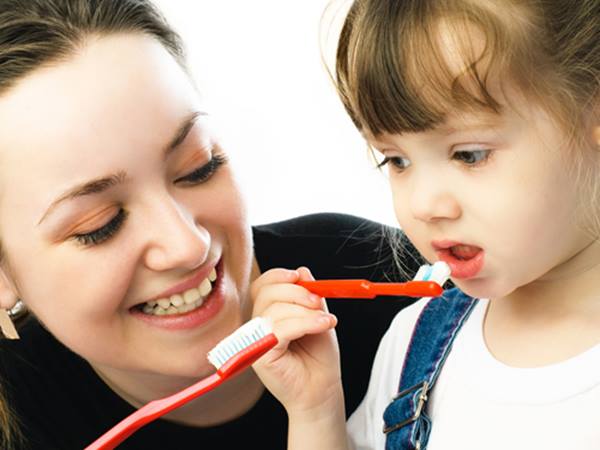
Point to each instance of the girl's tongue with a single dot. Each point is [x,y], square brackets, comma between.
[465,261]
[464,251]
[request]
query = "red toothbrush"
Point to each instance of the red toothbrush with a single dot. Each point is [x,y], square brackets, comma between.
[368,289]
[248,343]
[231,356]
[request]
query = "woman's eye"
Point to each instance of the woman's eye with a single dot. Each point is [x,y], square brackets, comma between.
[203,174]
[103,233]
[472,157]
[398,162]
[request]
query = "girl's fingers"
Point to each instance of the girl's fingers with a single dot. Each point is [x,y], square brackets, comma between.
[285,293]
[273,276]
[292,321]
[281,311]
[305,275]
[292,328]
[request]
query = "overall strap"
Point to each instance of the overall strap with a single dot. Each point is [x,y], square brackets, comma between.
[405,421]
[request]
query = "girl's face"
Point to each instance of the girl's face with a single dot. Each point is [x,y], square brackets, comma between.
[117,204]
[489,194]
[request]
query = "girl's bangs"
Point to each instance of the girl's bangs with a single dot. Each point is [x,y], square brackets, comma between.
[411,79]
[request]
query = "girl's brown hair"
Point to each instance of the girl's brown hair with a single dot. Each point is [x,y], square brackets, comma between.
[37,33]
[393,75]
[393,72]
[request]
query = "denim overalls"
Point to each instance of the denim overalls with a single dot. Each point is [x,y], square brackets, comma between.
[407,425]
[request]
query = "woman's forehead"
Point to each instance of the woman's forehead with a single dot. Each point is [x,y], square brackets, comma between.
[113,85]
[107,108]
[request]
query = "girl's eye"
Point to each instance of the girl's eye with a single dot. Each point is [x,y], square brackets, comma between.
[103,233]
[472,157]
[399,163]
[203,174]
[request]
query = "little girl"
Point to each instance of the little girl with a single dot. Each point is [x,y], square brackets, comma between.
[486,115]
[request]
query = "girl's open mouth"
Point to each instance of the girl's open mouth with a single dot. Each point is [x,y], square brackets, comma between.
[465,261]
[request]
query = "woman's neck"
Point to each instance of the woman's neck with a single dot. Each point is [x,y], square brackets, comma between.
[551,319]
[227,402]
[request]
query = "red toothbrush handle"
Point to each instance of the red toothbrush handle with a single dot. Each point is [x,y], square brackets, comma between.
[158,408]
[152,411]
[340,288]
[367,289]
[409,289]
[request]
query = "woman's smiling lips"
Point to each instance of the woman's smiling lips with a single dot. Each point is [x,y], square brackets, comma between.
[186,305]
[465,260]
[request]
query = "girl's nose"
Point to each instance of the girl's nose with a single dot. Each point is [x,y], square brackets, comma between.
[175,239]
[432,200]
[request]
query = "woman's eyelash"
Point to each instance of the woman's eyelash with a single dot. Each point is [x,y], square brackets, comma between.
[203,173]
[103,233]
[107,231]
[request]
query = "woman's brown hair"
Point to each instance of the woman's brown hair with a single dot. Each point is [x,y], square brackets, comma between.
[38,33]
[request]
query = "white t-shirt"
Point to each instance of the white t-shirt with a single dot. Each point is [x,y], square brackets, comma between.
[478,403]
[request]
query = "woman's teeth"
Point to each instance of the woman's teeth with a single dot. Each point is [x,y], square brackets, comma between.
[184,302]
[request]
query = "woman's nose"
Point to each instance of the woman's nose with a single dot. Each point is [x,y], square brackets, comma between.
[175,239]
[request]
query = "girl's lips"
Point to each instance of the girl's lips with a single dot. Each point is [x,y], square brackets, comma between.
[192,319]
[462,268]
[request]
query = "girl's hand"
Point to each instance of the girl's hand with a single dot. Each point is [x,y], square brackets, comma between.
[302,371]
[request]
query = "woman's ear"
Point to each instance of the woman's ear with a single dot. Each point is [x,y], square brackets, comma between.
[8,299]
[8,294]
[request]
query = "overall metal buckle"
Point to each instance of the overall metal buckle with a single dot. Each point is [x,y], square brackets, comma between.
[421,403]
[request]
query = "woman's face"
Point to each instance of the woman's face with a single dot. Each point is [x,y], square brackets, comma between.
[117,204]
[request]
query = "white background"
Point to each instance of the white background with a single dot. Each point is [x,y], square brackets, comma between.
[258,64]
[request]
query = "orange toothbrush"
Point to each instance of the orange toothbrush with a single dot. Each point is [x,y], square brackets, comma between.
[368,289]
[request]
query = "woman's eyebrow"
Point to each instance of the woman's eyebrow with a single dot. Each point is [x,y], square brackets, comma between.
[89,187]
[101,184]
[182,132]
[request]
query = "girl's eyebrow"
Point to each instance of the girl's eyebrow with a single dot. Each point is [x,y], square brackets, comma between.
[101,184]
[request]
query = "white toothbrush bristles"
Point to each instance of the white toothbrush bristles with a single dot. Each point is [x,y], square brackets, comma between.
[240,339]
[438,272]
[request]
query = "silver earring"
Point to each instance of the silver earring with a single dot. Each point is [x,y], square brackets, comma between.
[18,310]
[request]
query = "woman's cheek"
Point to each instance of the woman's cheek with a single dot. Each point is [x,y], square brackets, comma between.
[85,283]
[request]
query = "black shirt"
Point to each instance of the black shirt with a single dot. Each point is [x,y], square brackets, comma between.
[62,404]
